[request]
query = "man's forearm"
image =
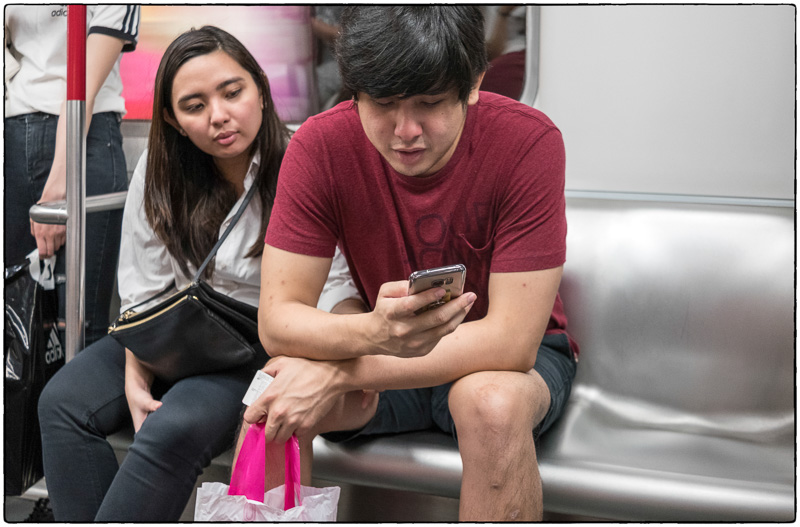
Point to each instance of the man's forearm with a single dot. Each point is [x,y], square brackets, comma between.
[297,330]
[474,346]
[506,339]
[497,342]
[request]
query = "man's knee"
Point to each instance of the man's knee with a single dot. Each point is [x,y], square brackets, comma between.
[498,405]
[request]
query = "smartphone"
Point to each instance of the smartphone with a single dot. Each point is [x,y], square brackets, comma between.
[449,277]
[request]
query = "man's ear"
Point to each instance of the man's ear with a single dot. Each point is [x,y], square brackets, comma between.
[171,120]
[473,94]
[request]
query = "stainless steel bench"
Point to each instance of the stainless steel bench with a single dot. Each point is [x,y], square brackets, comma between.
[683,407]
[683,404]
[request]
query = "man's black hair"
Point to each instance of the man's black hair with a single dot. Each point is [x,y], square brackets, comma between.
[386,50]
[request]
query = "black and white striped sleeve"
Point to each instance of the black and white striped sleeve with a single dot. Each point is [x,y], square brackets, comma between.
[117,20]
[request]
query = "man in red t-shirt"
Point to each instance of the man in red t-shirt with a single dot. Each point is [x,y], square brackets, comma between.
[421,170]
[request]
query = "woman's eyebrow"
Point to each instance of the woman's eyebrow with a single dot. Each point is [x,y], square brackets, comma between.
[233,80]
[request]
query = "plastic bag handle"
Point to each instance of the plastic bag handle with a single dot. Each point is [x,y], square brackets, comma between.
[247,478]
[292,472]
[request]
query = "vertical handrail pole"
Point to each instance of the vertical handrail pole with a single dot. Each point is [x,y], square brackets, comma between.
[76,178]
[530,88]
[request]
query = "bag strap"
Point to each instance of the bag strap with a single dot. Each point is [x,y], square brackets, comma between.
[225,234]
[213,252]
[161,293]
[248,475]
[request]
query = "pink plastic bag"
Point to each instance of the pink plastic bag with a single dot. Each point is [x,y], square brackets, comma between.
[245,499]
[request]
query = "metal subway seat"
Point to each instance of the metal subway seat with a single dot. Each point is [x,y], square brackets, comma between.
[683,404]
[683,407]
[599,463]
[425,462]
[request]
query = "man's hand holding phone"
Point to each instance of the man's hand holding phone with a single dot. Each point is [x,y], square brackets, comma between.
[405,321]
[449,277]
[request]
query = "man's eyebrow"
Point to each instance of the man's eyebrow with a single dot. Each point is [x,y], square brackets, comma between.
[219,86]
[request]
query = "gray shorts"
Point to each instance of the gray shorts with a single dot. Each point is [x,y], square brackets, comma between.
[427,409]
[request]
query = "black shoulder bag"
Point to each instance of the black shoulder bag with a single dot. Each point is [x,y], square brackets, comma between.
[194,331]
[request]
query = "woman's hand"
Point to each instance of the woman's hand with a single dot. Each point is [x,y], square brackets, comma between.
[141,404]
[137,390]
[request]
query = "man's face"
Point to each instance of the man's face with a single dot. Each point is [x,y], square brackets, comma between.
[416,135]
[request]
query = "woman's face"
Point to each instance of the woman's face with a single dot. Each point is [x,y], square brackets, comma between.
[217,106]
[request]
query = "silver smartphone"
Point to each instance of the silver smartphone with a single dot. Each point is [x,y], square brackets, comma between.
[449,277]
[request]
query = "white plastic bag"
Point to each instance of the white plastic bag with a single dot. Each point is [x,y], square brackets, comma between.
[214,504]
[241,500]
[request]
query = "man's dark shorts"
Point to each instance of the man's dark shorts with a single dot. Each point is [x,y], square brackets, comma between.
[427,408]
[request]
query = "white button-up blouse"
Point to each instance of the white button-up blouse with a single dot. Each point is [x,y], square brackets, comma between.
[147,268]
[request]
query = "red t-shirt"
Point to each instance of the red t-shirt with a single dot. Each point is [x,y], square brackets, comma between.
[497,206]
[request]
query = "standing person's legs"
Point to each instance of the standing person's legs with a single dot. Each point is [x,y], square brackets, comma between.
[83,403]
[106,172]
[29,149]
[197,421]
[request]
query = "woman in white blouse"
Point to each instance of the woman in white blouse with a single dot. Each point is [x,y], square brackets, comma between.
[214,134]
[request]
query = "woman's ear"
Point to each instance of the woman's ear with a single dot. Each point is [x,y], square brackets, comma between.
[171,120]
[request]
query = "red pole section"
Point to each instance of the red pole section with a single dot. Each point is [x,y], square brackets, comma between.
[76,53]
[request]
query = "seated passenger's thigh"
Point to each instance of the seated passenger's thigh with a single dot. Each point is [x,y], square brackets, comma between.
[198,413]
[396,411]
[557,365]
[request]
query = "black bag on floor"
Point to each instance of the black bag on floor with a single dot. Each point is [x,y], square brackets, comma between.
[32,353]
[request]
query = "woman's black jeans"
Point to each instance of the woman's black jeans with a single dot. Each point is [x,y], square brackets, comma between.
[85,402]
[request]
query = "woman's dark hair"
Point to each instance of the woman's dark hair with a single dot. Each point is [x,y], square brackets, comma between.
[186,198]
[387,50]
